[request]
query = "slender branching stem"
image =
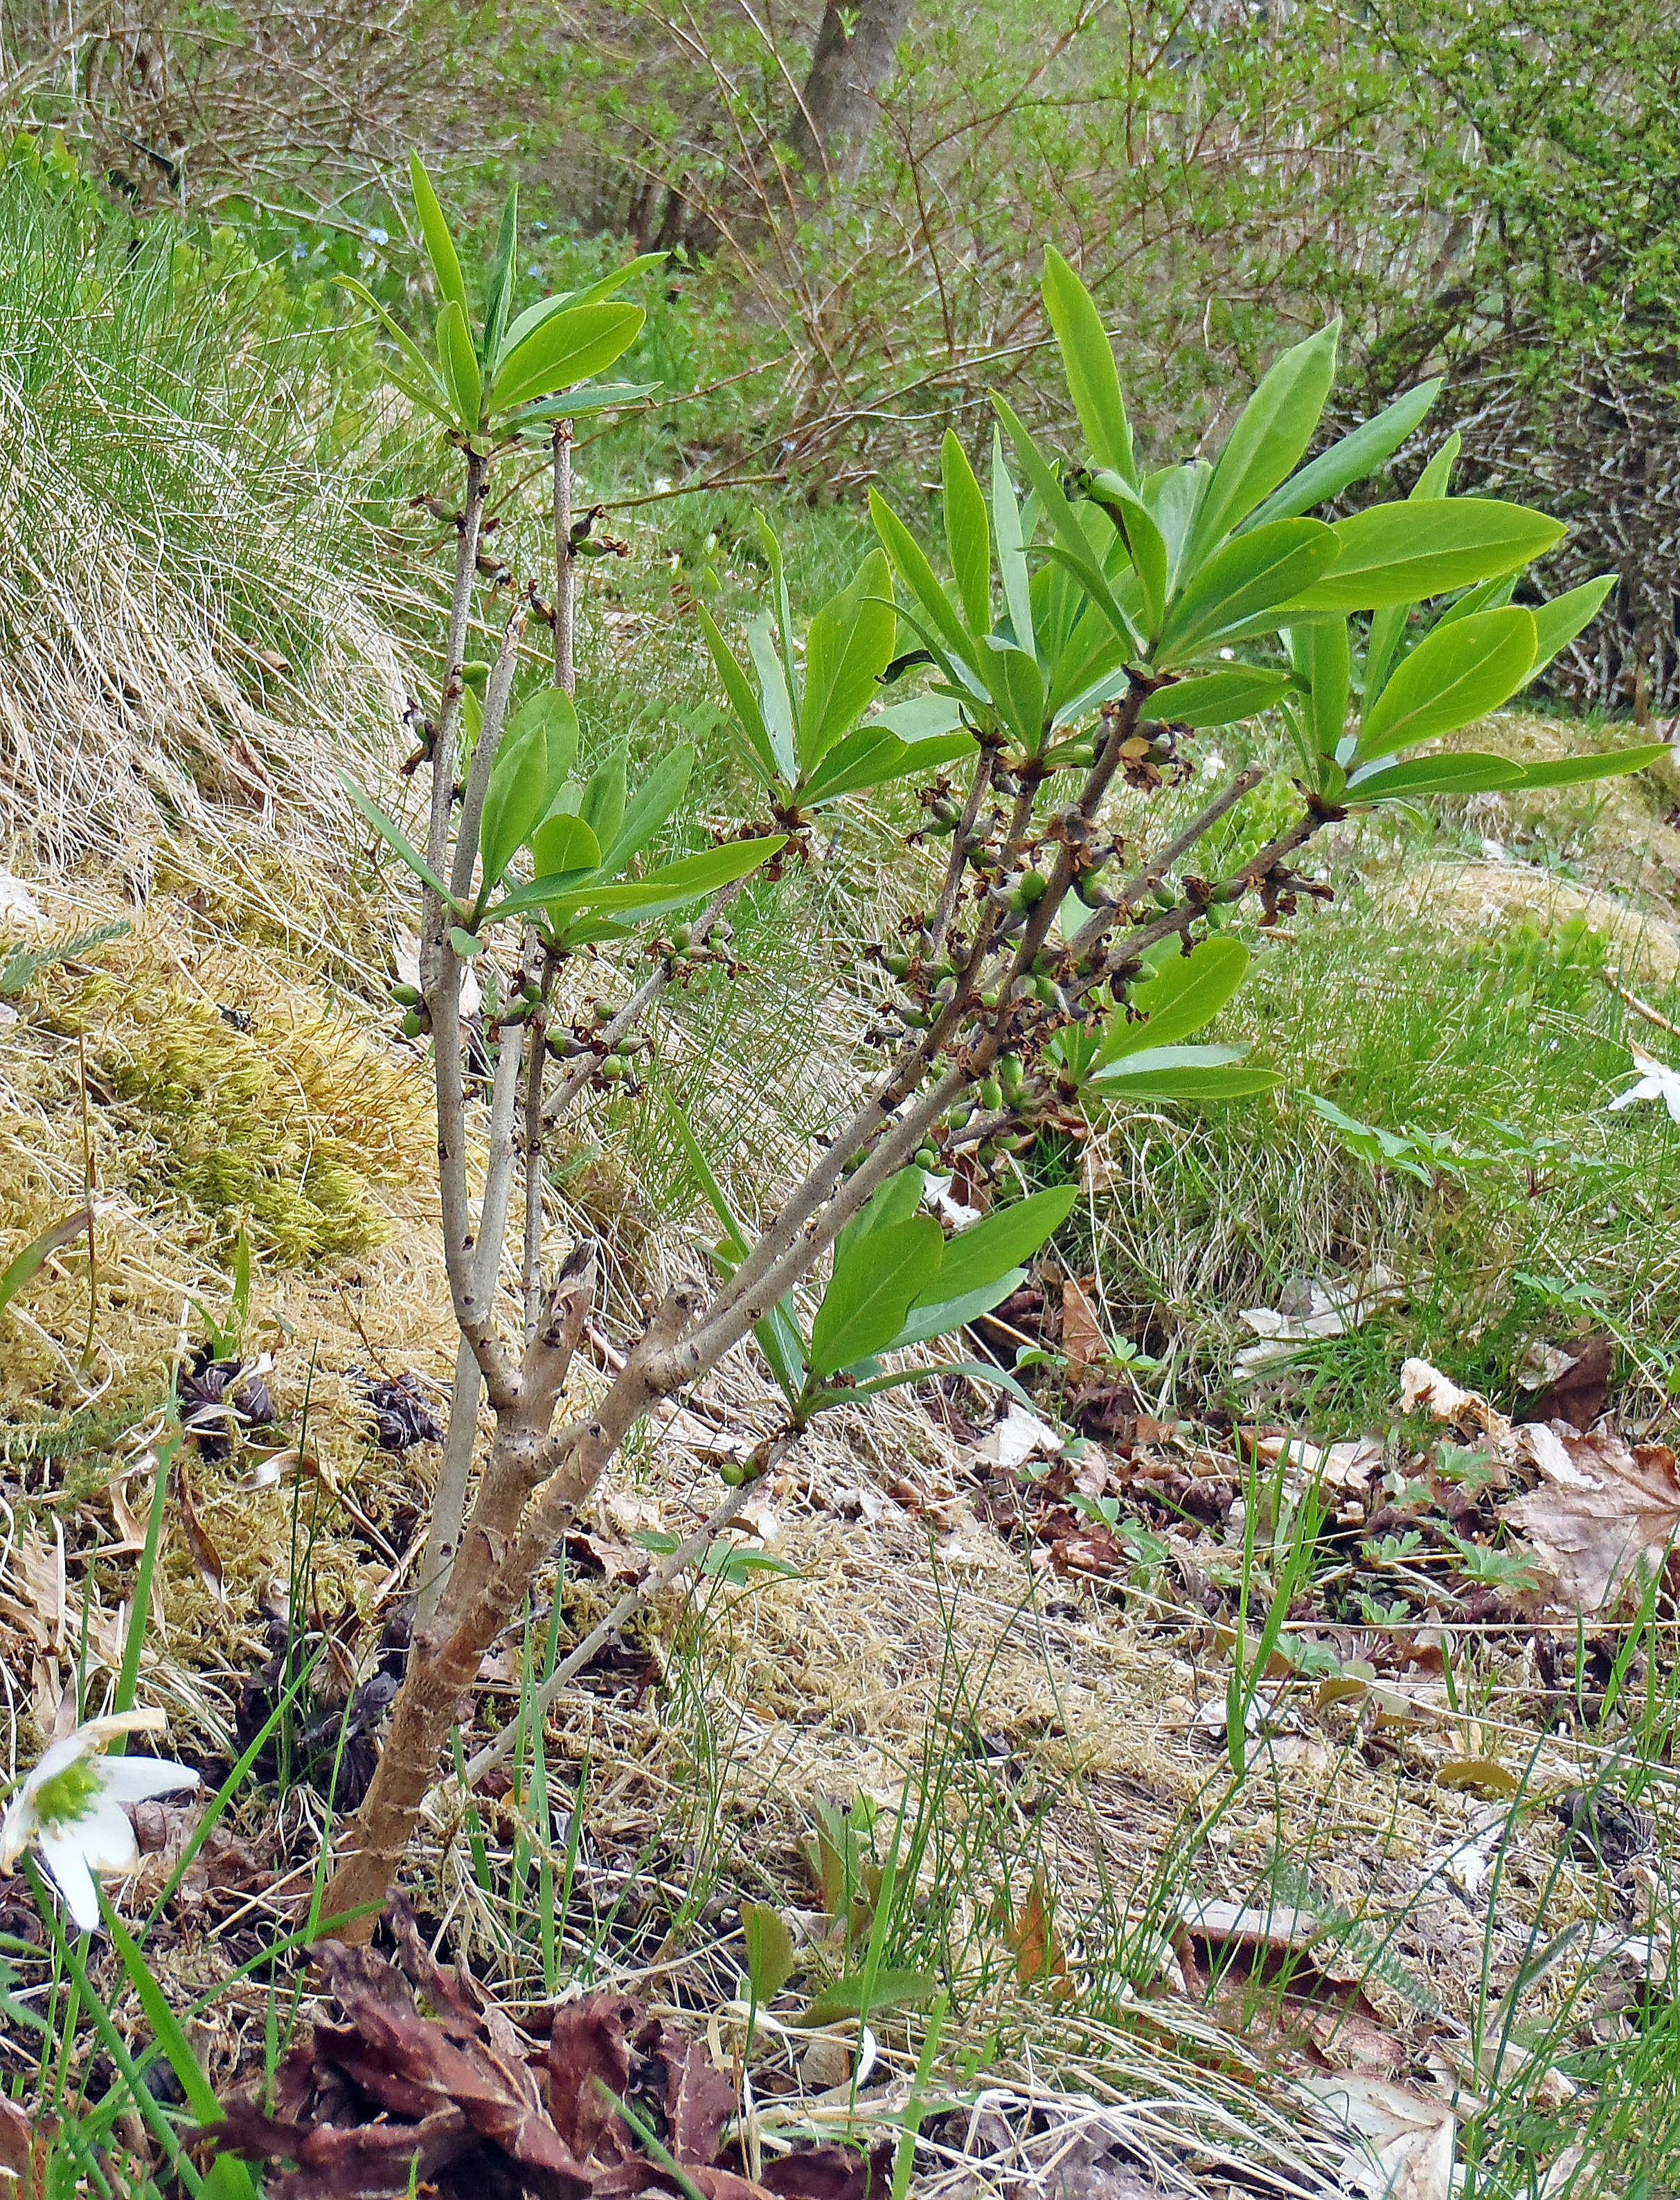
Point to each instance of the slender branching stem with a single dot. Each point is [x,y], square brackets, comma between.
[498,690]
[566,561]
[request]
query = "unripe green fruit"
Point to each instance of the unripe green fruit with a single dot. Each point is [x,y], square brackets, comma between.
[1033,886]
[413,1025]
[896,966]
[406,997]
[682,934]
[991,1093]
[1047,991]
[732,1473]
[614,1068]
[605,1012]
[1164,896]
[926,1158]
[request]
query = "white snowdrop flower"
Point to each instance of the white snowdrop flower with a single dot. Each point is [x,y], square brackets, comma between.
[70,1807]
[1657,1081]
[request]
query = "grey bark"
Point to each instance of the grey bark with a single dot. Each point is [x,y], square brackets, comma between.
[840,102]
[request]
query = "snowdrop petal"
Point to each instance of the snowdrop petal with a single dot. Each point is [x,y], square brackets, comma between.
[16,1829]
[132,1779]
[105,1838]
[68,1866]
[56,1757]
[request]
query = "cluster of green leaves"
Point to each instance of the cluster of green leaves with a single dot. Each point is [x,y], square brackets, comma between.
[503,375]
[797,727]
[1101,577]
[897,1281]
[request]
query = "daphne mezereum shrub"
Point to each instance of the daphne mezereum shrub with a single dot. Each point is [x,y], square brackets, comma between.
[1081,631]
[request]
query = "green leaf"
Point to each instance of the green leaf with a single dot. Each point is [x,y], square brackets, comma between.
[498,291]
[770,1960]
[948,1314]
[929,755]
[1467,771]
[1433,481]
[1002,1240]
[977,1371]
[1182,1073]
[864,758]
[1270,435]
[1073,547]
[460,366]
[775,698]
[545,309]
[1244,587]
[39,1249]
[575,404]
[1324,658]
[431,391]
[568,347]
[1185,995]
[1557,624]
[684,880]
[846,652]
[895,1200]
[654,801]
[446,266]
[392,836]
[909,562]
[1018,687]
[860,1996]
[1144,543]
[784,609]
[968,536]
[1088,361]
[1352,458]
[1388,625]
[1218,699]
[1399,554]
[1454,676]
[536,751]
[1011,549]
[1578,770]
[749,718]
[563,844]
[923,719]
[1173,496]
[602,808]
[875,1283]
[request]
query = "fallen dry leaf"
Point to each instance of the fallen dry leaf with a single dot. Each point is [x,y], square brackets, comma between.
[1018,1437]
[1426,1390]
[1082,1337]
[1038,1954]
[1578,1390]
[205,1553]
[1602,1520]
[1484,1775]
[1409,2140]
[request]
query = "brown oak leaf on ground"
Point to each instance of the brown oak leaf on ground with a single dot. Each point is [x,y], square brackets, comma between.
[1601,1521]
[466,2105]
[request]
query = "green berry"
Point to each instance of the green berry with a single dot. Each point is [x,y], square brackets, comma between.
[406,997]
[413,1025]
